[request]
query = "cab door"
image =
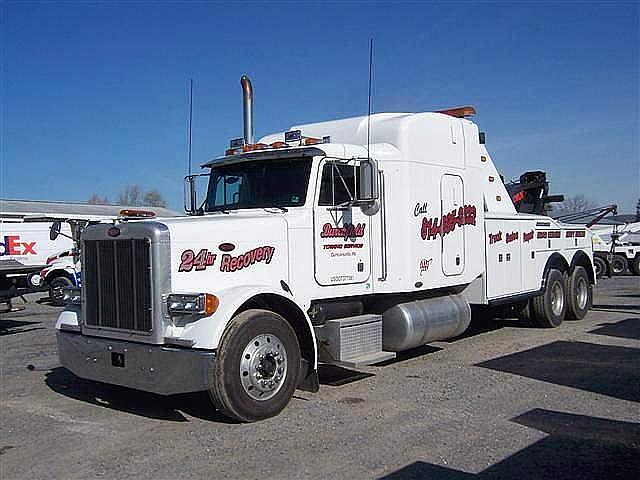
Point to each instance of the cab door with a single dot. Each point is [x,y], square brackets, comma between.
[452,194]
[342,251]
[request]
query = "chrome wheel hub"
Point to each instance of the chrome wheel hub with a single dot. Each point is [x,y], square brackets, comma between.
[557,299]
[263,367]
[582,293]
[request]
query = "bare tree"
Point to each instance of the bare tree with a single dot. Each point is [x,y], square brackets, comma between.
[130,195]
[96,199]
[153,198]
[638,211]
[577,203]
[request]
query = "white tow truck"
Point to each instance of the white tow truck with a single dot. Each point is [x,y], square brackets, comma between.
[316,245]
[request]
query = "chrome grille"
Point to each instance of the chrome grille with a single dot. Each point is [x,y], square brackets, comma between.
[116,279]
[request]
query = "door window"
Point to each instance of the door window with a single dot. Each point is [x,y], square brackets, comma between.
[338,184]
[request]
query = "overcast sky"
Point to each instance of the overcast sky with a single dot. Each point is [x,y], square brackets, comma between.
[95,95]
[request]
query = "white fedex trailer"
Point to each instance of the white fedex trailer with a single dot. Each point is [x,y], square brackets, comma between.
[315,245]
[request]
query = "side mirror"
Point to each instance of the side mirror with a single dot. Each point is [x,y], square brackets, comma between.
[190,194]
[54,230]
[368,180]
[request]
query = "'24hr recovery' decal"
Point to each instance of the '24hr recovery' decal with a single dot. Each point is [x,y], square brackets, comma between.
[229,263]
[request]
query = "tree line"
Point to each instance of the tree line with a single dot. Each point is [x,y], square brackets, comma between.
[132,195]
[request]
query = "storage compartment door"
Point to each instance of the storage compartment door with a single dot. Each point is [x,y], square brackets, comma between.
[452,194]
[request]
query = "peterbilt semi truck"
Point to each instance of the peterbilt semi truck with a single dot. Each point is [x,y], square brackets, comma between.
[342,242]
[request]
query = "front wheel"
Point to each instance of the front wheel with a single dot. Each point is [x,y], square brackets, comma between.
[600,265]
[635,266]
[257,366]
[549,309]
[56,289]
[618,265]
[579,294]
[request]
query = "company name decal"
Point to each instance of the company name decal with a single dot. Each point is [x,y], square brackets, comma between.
[232,263]
[13,246]
[575,233]
[527,236]
[346,232]
[432,227]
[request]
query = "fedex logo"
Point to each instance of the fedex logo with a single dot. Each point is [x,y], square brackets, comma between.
[13,246]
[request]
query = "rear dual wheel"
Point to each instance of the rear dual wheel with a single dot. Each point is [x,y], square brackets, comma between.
[548,310]
[257,366]
[579,294]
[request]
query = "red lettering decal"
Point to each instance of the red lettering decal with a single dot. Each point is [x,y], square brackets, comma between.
[12,244]
[28,248]
[186,261]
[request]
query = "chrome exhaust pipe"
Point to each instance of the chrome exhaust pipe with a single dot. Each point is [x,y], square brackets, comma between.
[247,107]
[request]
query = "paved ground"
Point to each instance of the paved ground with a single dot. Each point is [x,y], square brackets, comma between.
[504,401]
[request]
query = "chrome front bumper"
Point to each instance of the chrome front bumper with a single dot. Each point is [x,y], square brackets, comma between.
[151,368]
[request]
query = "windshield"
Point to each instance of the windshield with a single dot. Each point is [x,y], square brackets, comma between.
[258,184]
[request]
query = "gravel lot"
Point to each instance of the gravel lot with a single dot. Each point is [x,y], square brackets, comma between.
[504,401]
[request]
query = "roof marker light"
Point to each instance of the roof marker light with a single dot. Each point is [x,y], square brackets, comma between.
[459,112]
[127,212]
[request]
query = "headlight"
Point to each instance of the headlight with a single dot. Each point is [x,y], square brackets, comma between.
[192,303]
[72,296]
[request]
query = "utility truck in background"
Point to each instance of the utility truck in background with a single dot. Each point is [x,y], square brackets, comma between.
[341,242]
[25,249]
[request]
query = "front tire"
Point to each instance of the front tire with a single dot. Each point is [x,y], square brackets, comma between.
[549,309]
[56,290]
[619,265]
[600,266]
[579,294]
[635,266]
[257,366]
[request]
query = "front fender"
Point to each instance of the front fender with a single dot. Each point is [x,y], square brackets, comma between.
[207,332]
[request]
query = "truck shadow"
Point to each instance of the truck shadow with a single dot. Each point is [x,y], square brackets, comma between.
[12,327]
[336,376]
[605,369]
[144,404]
[577,446]
[628,328]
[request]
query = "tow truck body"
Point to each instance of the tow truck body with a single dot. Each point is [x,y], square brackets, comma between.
[314,245]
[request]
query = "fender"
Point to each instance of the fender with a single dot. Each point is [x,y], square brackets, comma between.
[207,332]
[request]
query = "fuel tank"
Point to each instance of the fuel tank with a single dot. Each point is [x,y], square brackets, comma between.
[412,324]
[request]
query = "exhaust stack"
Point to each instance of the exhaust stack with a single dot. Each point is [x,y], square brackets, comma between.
[247,107]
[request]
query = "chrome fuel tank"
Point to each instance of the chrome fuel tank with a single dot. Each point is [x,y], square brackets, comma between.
[412,324]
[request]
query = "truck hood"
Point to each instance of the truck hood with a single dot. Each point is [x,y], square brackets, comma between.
[227,249]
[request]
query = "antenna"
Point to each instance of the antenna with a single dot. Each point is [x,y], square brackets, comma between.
[190,120]
[369,109]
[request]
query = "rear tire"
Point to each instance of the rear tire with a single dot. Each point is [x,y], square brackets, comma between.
[549,309]
[635,266]
[257,366]
[56,290]
[600,266]
[579,294]
[619,265]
